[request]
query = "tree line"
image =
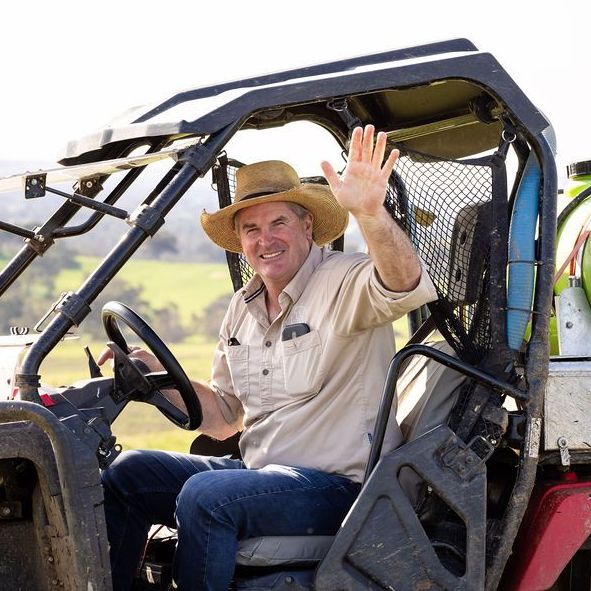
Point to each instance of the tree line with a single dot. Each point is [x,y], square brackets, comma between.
[32,296]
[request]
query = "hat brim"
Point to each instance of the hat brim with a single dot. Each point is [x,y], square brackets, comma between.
[330,219]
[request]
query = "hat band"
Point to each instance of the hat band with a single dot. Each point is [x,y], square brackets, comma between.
[261,194]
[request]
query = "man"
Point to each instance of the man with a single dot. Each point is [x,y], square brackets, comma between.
[299,370]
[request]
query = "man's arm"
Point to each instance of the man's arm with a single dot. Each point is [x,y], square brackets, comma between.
[214,424]
[362,190]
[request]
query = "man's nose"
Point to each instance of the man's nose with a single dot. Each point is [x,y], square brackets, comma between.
[266,236]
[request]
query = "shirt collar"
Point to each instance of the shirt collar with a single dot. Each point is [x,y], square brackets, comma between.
[253,288]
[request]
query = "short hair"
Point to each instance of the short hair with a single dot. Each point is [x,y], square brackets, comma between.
[300,211]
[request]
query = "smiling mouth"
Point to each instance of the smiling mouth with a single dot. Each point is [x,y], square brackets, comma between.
[271,255]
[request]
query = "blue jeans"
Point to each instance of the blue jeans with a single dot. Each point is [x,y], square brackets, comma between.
[213,503]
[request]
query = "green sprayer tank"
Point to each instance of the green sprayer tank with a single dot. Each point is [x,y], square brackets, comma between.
[574,220]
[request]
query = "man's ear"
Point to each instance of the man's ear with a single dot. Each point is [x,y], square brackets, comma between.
[309,225]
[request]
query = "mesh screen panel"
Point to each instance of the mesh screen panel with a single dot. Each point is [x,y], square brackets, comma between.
[224,178]
[445,207]
[243,268]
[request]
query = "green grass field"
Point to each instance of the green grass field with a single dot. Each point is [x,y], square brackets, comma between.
[190,286]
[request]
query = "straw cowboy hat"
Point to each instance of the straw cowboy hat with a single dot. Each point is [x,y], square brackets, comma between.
[271,181]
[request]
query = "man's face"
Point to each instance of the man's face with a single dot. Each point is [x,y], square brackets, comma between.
[274,241]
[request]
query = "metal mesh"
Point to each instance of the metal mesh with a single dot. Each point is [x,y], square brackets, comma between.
[445,207]
[243,269]
[224,179]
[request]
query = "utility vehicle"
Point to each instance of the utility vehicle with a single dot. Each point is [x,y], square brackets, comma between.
[491,488]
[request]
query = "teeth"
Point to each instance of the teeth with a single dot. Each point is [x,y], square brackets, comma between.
[271,255]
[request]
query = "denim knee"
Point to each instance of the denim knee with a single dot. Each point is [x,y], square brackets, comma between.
[120,475]
[203,497]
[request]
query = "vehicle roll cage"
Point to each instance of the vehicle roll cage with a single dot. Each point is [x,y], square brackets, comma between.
[336,96]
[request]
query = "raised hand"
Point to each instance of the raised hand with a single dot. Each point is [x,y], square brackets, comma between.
[361,189]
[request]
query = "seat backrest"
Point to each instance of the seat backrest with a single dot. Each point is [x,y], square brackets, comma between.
[427,392]
[204,445]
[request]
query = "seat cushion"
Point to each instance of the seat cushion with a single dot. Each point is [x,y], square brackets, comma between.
[279,550]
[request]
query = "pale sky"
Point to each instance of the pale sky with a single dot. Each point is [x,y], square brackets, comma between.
[70,66]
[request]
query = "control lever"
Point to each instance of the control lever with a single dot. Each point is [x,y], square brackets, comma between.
[93,367]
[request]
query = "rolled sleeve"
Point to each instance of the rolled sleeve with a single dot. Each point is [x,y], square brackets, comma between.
[423,293]
[364,303]
[230,407]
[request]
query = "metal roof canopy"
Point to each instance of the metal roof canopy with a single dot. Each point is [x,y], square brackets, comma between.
[424,95]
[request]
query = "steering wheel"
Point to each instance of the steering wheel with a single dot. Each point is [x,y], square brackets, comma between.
[173,376]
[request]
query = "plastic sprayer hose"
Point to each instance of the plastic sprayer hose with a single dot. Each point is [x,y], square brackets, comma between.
[521,267]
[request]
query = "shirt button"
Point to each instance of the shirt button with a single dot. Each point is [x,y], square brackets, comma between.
[265,372]
[268,344]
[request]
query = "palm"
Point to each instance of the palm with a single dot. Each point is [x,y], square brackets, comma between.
[361,189]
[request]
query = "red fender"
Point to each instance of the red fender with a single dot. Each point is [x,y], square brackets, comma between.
[557,523]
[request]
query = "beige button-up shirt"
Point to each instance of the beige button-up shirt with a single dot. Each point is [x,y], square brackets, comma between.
[311,400]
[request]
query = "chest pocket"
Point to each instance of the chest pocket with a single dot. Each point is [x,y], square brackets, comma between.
[237,356]
[301,364]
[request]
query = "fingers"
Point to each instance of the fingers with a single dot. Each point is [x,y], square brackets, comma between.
[380,150]
[105,355]
[367,146]
[390,163]
[362,146]
[362,150]
[331,175]
[355,147]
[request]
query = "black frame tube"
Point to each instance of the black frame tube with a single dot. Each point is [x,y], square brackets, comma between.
[90,203]
[497,358]
[16,266]
[16,230]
